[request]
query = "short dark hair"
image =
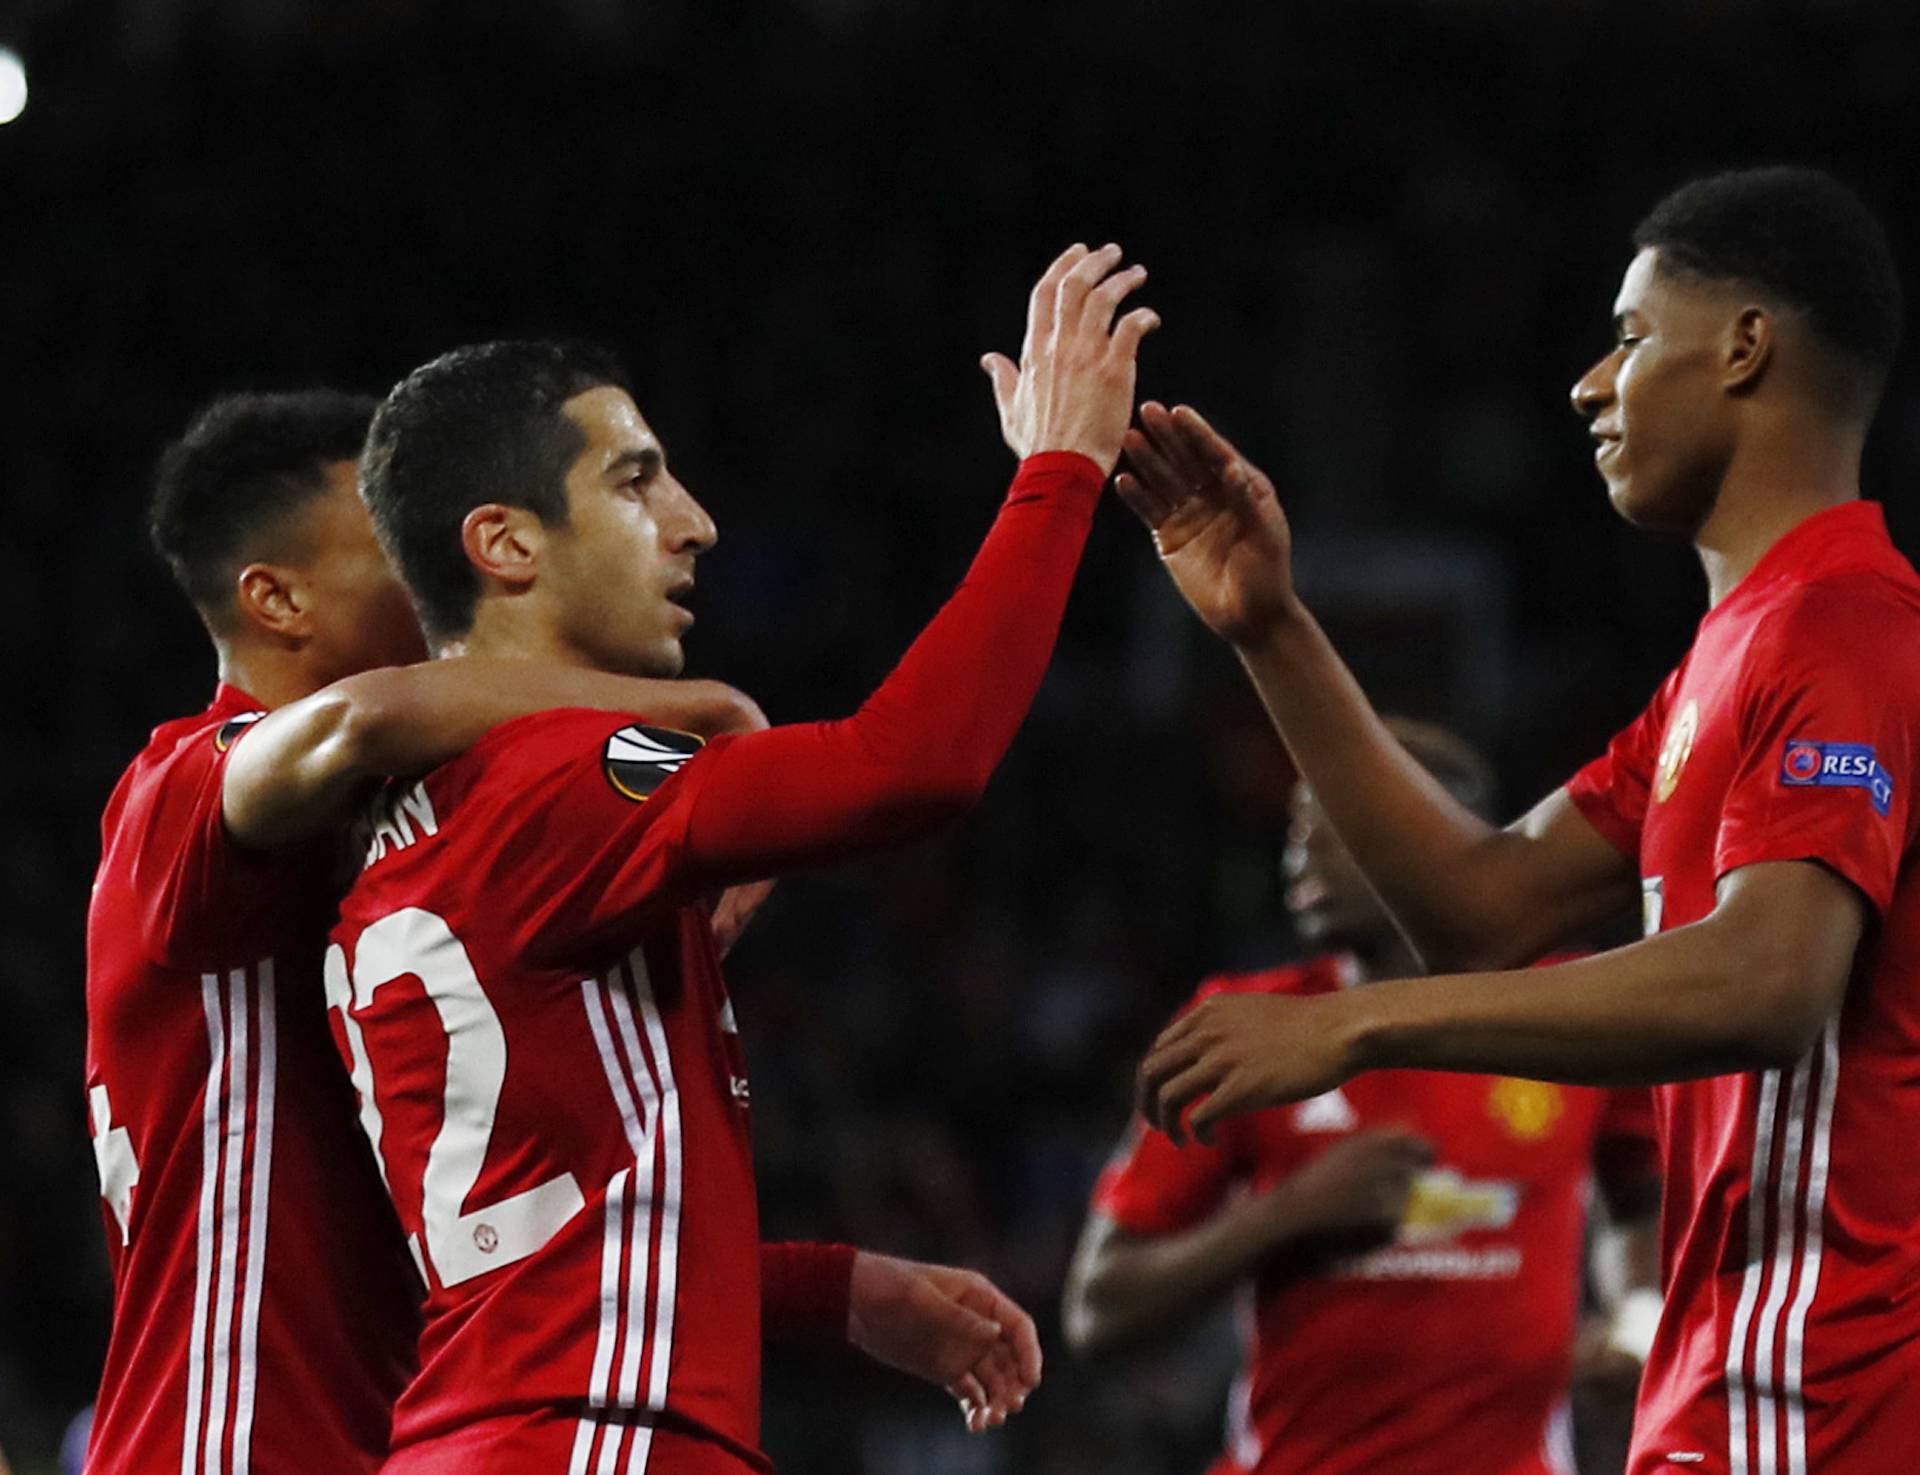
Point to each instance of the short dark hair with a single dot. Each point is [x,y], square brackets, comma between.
[1798,236]
[245,463]
[477,425]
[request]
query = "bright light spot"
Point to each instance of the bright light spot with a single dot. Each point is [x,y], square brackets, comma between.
[13,86]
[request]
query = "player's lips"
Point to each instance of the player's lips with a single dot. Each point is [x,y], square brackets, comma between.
[676,596]
[1605,443]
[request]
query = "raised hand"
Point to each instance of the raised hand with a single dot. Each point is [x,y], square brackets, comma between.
[953,1328]
[1215,520]
[1241,1052]
[1073,387]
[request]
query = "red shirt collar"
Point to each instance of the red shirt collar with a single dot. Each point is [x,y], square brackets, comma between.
[1851,533]
[231,701]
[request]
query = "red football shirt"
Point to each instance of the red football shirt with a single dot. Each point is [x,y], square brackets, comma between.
[1791,1228]
[532,1011]
[1447,1350]
[264,1311]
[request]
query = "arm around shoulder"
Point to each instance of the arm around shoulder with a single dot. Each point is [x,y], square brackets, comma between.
[298,770]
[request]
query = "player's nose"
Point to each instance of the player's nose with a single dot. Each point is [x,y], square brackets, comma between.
[689,527]
[1593,390]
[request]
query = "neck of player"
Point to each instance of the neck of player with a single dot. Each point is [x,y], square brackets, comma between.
[272,677]
[1772,484]
[512,629]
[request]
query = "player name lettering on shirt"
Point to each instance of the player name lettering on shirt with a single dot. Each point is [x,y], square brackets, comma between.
[388,824]
[1403,1262]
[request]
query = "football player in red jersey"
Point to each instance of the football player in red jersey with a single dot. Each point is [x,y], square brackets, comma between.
[264,1312]
[528,998]
[1760,811]
[1410,1244]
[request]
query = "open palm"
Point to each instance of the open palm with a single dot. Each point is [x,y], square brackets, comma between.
[1215,520]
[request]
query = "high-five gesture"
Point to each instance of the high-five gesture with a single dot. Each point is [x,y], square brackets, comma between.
[1215,521]
[1073,387]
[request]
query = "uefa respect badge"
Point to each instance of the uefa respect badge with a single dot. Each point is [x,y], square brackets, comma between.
[1809,765]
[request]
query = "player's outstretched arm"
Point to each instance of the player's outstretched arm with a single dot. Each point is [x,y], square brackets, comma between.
[949,1327]
[1465,893]
[1750,986]
[920,751]
[300,768]
[1123,1286]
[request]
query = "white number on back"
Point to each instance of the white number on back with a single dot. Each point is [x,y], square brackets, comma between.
[461,1243]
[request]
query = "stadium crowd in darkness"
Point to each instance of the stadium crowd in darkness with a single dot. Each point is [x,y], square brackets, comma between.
[1384,244]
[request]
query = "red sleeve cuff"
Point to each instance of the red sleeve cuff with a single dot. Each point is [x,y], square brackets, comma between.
[805,1291]
[1076,470]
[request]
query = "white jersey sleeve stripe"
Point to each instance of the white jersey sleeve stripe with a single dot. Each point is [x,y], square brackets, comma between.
[233,1147]
[611,1064]
[612,1238]
[257,1205]
[1736,1364]
[1785,1252]
[205,1230]
[1818,1161]
[668,1274]
[640,1312]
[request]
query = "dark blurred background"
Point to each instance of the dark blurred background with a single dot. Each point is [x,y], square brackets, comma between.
[1384,238]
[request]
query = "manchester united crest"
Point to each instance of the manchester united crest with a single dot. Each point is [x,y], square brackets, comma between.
[1529,1110]
[1675,751]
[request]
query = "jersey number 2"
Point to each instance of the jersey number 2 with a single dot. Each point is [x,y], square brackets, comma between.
[461,1242]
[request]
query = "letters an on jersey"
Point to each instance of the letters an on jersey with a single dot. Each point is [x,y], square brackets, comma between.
[530,1005]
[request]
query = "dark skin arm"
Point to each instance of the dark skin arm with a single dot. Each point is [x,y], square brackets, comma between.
[1122,1287]
[1749,986]
[1467,894]
[302,767]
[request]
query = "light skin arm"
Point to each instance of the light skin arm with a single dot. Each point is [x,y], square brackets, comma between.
[1124,1286]
[950,1327]
[1749,986]
[301,768]
[1465,893]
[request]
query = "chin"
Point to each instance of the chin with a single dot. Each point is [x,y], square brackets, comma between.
[1676,504]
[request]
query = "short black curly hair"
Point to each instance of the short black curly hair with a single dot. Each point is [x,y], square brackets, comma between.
[243,465]
[477,425]
[1797,236]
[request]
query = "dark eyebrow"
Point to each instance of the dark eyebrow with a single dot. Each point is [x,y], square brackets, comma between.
[647,461]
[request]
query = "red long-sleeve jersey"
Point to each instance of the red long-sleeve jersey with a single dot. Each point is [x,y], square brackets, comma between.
[263,1309]
[529,1001]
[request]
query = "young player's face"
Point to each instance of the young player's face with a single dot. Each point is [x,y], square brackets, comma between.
[1331,903]
[360,615]
[626,556]
[1662,421]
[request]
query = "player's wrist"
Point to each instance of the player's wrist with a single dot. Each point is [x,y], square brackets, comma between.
[1068,464]
[1364,1030]
[1281,634]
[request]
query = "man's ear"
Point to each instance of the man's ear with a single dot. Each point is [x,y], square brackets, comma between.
[1749,349]
[504,543]
[273,598]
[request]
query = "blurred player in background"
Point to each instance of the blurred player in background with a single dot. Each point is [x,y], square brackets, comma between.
[1760,811]
[264,1311]
[531,1006]
[1410,1244]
